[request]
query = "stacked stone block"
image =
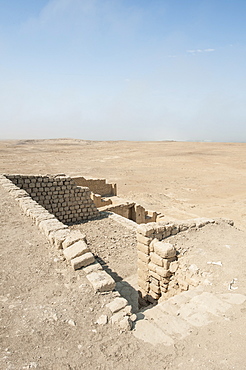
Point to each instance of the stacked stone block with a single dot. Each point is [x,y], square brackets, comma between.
[158,260]
[76,252]
[59,195]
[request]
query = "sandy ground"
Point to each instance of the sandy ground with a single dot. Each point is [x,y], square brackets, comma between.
[113,244]
[41,297]
[176,178]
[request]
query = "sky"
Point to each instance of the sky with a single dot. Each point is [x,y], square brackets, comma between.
[123,69]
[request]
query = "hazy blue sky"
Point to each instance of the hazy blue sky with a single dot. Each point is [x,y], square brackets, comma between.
[123,69]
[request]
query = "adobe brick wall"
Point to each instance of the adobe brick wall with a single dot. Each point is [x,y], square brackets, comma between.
[73,243]
[132,211]
[160,274]
[59,195]
[97,186]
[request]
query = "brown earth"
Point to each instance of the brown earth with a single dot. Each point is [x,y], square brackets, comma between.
[40,293]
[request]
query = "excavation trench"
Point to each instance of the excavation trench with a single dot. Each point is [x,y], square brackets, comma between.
[115,248]
[138,257]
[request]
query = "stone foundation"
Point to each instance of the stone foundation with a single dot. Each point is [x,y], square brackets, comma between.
[73,243]
[159,273]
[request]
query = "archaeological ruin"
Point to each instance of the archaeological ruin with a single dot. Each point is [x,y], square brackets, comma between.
[54,203]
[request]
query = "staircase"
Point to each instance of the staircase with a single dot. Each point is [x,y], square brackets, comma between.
[179,316]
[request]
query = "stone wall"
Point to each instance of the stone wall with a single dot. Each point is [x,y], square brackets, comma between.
[159,274]
[97,186]
[75,250]
[99,201]
[122,209]
[59,195]
[131,211]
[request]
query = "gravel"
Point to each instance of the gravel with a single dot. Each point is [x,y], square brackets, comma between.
[112,244]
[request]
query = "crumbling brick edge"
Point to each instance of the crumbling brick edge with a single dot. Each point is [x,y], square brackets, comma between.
[160,271]
[76,251]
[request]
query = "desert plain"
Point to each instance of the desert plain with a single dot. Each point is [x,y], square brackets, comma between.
[49,311]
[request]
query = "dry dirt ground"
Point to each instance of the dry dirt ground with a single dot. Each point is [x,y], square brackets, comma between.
[48,312]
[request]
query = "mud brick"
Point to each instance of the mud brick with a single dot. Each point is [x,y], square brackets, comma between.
[73,237]
[164,281]
[75,250]
[143,257]
[152,266]
[142,265]
[154,275]
[143,248]
[183,284]
[143,275]
[146,229]
[51,225]
[143,239]
[159,236]
[43,216]
[173,267]
[163,273]
[101,281]
[166,263]
[164,250]
[56,238]
[117,304]
[143,284]
[163,285]
[154,280]
[155,288]
[156,259]
[163,289]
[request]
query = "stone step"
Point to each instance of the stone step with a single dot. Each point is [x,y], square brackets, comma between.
[177,317]
[170,324]
[150,333]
